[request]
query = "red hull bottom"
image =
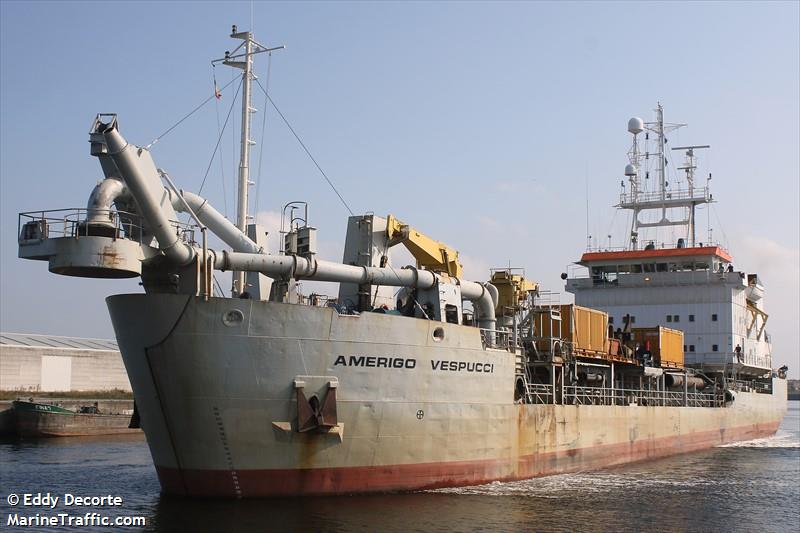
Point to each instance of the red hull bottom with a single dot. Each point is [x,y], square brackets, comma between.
[405,477]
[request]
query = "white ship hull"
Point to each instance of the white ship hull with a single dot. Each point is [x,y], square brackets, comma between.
[218,406]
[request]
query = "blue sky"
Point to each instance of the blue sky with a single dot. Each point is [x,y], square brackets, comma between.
[479,123]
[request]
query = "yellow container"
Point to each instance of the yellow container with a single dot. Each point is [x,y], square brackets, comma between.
[666,345]
[586,329]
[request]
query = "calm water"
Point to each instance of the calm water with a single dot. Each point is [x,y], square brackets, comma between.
[753,486]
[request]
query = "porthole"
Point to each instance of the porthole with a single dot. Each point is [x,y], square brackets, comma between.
[233,318]
[438,334]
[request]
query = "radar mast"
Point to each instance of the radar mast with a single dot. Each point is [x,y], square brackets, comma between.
[676,204]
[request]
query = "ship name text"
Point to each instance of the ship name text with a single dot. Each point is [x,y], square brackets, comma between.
[462,366]
[371,361]
[375,362]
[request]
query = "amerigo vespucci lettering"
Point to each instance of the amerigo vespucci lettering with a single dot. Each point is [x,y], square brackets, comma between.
[369,361]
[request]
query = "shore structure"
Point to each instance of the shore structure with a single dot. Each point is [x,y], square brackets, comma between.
[32,363]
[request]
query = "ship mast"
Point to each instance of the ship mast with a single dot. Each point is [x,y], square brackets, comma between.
[666,199]
[244,60]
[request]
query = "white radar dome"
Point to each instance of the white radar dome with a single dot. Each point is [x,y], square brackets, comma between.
[631,170]
[636,125]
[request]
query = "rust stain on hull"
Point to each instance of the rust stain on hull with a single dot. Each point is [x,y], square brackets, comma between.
[388,478]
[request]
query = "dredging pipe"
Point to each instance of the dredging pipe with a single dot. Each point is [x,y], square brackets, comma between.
[301,268]
[155,204]
[676,380]
[137,169]
[103,196]
[215,221]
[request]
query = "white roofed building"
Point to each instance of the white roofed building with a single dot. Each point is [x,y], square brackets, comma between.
[50,363]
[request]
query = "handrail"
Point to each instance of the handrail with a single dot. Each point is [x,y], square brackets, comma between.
[71,222]
[540,393]
[695,193]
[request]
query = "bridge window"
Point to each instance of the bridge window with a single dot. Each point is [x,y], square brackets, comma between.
[715,348]
[669,318]
[611,320]
[714,317]
[691,318]
[676,318]
[691,347]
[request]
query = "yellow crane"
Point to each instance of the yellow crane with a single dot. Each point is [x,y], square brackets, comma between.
[429,253]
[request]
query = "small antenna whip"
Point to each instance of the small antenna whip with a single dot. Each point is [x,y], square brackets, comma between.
[588,237]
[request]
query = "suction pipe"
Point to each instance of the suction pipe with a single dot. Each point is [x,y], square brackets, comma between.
[155,204]
[484,297]
[139,173]
[104,194]
[677,380]
[216,222]
[300,267]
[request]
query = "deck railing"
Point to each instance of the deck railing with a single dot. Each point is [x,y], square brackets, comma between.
[36,226]
[674,195]
[580,395]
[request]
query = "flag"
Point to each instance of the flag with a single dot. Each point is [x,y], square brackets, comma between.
[217,92]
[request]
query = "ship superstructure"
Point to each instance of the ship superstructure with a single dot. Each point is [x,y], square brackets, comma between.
[679,283]
[410,378]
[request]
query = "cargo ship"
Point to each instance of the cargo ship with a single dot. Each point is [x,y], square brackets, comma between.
[410,378]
